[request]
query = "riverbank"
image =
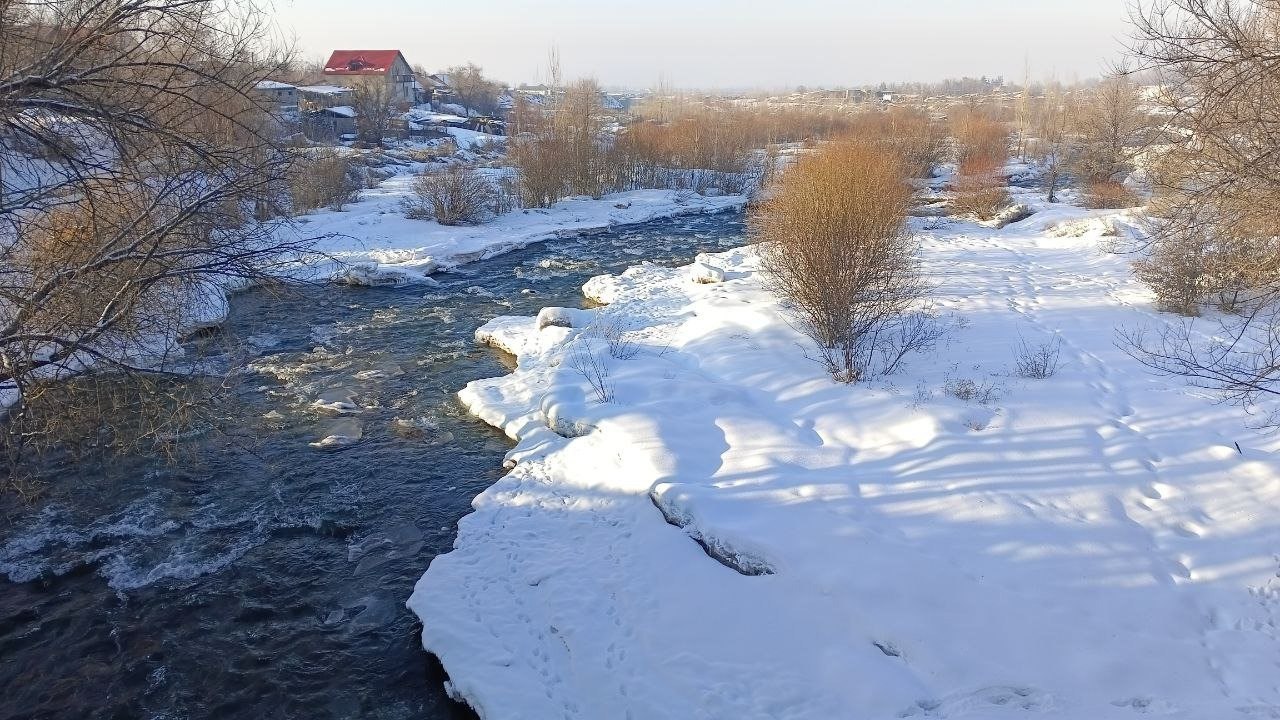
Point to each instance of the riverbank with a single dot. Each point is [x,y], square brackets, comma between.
[730,534]
[274,574]
[371,242]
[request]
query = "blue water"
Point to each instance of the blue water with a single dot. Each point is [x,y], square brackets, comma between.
[260,577]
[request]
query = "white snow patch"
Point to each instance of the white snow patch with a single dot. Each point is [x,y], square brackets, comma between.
[705,273]
[1099,549]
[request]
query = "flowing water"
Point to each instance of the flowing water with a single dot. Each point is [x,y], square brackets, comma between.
[261,577]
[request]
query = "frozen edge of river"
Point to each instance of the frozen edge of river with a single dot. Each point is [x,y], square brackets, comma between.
[372,243]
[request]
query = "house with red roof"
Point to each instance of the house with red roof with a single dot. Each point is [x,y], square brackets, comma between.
[349,67]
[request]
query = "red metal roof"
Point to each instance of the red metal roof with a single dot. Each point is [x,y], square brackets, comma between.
[360,62]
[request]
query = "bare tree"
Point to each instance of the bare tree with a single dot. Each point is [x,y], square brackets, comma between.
[1111,126]
[373,103]
[1216,191]
[473,90]
[1022,113]
[137,167]
[1053,146]
[561,150]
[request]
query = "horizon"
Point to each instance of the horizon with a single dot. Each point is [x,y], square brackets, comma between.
[723,46]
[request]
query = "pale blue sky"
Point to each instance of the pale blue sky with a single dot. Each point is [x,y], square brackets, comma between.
[726,43]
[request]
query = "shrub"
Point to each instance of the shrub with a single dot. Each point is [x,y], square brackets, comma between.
[506,195]
[614,331]
[1174,271]
[584,360]
[836,248]
[561,151]
[984,392]
[980,137]
[979,189]
[918,141]
[1039,361]
[454,195]
[437,151]
[981,149]
[1108,194]
[322,178]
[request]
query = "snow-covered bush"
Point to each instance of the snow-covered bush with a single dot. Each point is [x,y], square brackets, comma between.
[835,246]
[454,195]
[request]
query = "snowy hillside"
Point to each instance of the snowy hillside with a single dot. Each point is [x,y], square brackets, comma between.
[734,536]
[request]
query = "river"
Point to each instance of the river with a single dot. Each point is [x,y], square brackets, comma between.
[260,577]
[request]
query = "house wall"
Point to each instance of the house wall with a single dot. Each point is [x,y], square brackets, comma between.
[401,80]
[279,96]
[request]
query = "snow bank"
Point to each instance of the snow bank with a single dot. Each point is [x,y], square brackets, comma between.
[474,139]
[371,242]
[705,273]
[735,536]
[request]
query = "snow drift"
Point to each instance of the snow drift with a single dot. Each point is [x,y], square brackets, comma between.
[735,536]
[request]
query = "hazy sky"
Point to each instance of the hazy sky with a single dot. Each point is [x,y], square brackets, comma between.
[726,43]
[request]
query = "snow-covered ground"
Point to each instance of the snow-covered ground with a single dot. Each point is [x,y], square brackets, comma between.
[373,242]
[952,541]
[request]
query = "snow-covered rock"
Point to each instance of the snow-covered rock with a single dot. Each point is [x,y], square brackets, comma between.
[340,434]
[1016,212]
[705,273]
[562,317]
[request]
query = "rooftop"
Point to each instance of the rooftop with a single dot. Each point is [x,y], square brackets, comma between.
[361,62]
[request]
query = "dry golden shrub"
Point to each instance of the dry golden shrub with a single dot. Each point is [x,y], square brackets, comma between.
[455,195]
[911,133]
[321,178]
[1108,194]
[836,247]
[979,189]
[980,137]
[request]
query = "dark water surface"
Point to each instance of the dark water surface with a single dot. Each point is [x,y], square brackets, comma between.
[262,578]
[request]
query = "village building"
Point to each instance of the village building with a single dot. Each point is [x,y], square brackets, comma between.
[279,94]
[319,97]
[349,67]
